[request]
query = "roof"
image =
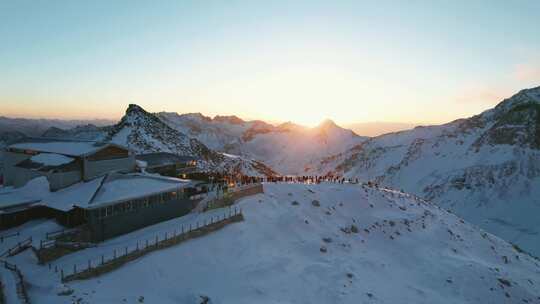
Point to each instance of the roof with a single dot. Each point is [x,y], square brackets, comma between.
[123,187]
[79,194]
[30,193]
[49,161]
[62,147]
[163,159]
[96,193]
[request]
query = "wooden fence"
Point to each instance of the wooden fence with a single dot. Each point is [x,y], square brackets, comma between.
[61,233]
[20,246]
[21,286]
[233,194]
[3,237]
[121,256]
[2,299]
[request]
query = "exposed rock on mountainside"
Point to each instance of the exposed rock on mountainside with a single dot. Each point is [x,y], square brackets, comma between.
[486,168]
[287,148]
[86,132]
[144,132]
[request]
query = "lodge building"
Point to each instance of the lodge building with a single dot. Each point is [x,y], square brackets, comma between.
[91,185]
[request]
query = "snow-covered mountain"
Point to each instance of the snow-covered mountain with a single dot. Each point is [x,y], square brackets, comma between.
[326,243]
[36,127]
[287,148]
[144,132]
[485,168]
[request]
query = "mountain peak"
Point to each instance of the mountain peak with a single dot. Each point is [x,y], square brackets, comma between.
[232,119]
[133,108]
[327,124]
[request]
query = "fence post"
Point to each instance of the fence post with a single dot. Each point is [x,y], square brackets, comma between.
[157,238]
[74,268]
[146,244]
[62,274]
[114,254]
[89,264]
[137,248]
[182,228]
[126,250]
[102,259]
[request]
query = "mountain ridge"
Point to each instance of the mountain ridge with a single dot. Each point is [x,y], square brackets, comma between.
[485,167]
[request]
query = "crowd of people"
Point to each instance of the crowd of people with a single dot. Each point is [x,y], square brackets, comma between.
[305,179]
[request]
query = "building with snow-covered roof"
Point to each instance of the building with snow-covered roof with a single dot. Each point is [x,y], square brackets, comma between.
[105,206]
[63,162]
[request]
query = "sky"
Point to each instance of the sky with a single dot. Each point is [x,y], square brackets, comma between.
[302,61]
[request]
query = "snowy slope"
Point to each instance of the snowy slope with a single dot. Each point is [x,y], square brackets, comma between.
[405,251]
[144,132]
[286,148]
[485,168]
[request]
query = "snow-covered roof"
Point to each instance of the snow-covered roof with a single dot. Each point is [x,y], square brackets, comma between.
[79,194]
[70,148]
[96,193]
[130,186]
[51,159]
[32,192]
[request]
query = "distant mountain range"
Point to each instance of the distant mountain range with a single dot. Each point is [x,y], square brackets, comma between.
[486,168]
[377,128]
[36,127]
[287,148]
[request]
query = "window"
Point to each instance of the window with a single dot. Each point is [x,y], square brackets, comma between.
[116,209]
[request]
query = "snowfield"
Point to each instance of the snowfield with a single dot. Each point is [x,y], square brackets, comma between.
[484,168]
[326,243]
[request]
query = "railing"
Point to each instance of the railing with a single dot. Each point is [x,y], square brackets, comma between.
[50,250]
[21,287]
[124,255]
[242,187]
[2,299]
[27,243]
[3,237]
[60,233]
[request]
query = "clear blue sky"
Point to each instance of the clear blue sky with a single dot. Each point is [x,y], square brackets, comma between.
[352,61]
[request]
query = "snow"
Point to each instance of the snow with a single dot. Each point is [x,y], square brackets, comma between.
[71,148]
[116,187]
[36,229]
[9,285]
[274,256]
[456,166]
[51,159]
[33,191]
[230,155]
[79,194]
[287,149]
[141,164]
[124,187]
